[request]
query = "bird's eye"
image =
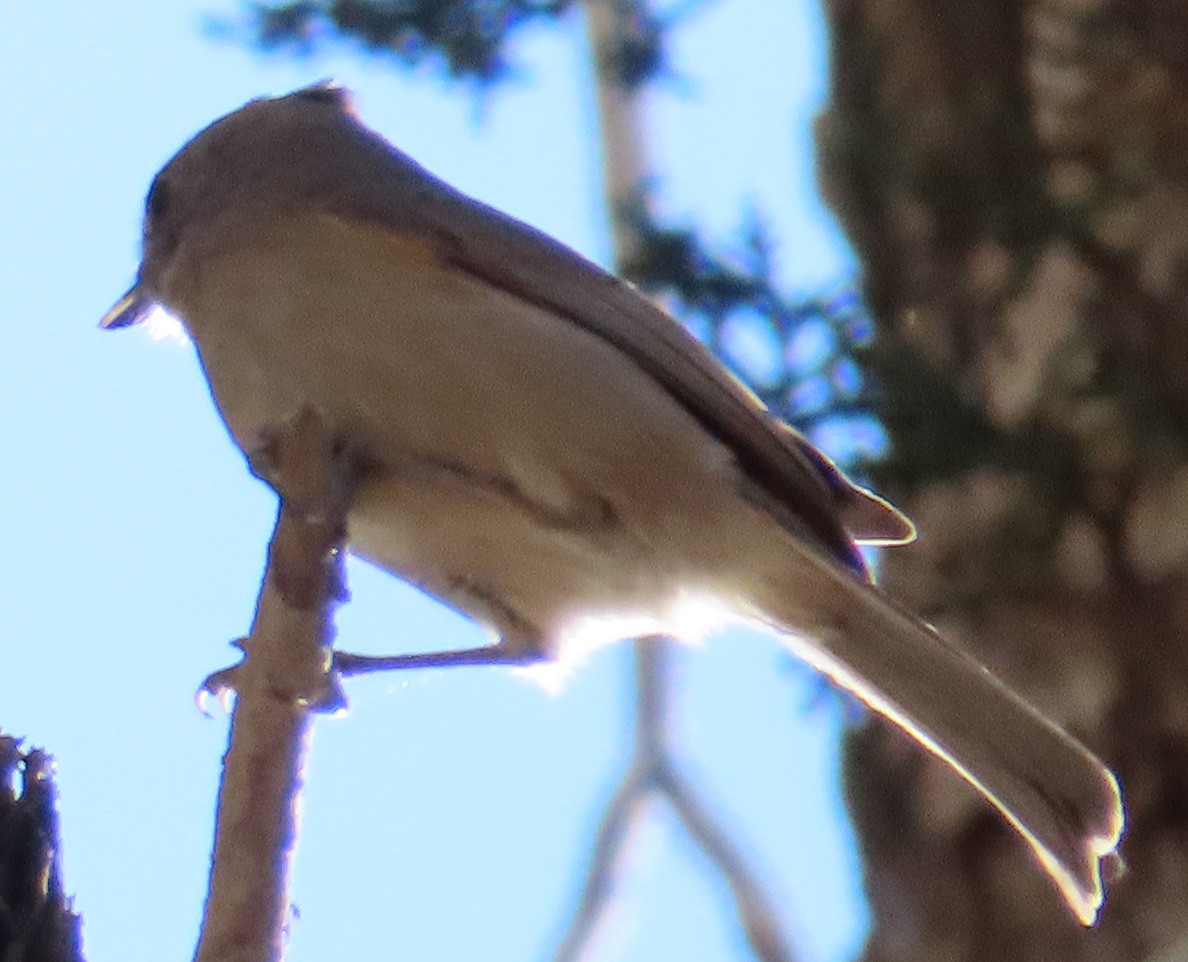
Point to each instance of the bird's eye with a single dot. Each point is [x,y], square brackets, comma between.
[157,202]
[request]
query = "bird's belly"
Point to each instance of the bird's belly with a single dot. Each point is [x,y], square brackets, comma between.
[522,452]
[532,575]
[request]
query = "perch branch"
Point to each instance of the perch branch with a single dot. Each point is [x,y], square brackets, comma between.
[282,679]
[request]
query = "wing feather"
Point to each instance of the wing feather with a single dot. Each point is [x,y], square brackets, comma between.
[803,489]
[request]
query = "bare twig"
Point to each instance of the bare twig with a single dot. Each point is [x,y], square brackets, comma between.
[652,776]
[622,816]
[610,28]
[280,681]
[759,921]
[626,807]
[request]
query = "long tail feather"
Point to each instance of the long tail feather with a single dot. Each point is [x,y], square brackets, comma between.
[1063,801]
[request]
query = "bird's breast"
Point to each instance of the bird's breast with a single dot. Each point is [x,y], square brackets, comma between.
[414,358]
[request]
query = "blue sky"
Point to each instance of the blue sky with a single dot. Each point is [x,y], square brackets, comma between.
[448,815]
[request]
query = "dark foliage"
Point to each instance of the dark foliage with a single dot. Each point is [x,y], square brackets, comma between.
[804,357]
[36,923]
[467,38]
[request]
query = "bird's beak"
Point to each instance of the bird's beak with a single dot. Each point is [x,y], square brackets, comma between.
[130,309]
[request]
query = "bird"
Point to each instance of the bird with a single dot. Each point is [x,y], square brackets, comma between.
[552,454]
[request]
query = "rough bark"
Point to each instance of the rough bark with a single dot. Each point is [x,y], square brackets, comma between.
[1014,176]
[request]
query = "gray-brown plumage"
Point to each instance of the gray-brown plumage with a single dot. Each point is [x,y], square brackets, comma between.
[550,453]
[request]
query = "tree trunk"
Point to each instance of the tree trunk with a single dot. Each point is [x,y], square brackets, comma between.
[1014,177]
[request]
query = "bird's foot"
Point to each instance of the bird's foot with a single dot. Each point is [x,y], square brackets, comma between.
[221,686]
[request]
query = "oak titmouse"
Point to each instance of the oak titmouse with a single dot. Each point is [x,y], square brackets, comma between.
[552,454]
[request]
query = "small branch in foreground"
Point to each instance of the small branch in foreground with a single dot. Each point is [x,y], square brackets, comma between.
[282,679]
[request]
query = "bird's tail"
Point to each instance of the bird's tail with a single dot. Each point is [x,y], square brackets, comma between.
[1063,801]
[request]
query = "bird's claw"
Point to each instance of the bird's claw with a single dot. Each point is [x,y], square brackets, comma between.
[330,699]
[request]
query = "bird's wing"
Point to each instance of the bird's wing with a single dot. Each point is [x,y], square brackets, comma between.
[780,469]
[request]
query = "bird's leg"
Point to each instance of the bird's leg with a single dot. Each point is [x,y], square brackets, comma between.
[513,649]
[347,664]
[521,641]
